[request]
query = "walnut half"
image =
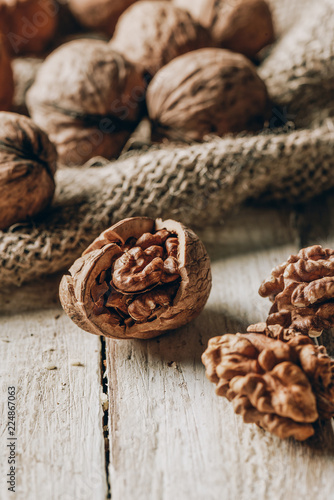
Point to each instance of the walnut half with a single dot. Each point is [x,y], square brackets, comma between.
[283,387]
[302,291]
[138,279]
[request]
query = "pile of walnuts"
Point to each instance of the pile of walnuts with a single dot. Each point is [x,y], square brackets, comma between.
[195,83]
[275,375]
[186,66]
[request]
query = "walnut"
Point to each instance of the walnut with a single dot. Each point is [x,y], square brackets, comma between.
[274,331]
[302,291]
[27,168]
[138,279]
[28,25]
[88,98]
[150,34]
[6,78]
[282,387]
[208,91]
[243,26]
[99,15]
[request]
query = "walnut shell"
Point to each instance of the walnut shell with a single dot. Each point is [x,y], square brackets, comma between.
[99,15]
[6,78]
[29,25]
[150,34]
[208,91]
[244,26]
[88,98]
[104,297]
[27,168]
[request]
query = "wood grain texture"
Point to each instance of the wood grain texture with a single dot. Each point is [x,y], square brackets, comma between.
[170,436]
[56,370]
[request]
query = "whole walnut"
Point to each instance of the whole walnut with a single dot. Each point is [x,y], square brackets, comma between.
[150,34]
[208,91]
[99,15]
[27,168]
[139,279]
[6,78]
[28,25]
[88,99]
[244,26]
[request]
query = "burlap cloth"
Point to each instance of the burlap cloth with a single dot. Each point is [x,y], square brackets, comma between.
[200,184]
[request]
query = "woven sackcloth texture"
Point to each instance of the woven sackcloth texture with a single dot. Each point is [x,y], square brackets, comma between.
[199,184]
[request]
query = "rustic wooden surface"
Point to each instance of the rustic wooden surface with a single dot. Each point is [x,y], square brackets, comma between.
[100,419]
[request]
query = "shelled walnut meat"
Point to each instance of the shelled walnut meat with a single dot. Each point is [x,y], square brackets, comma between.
[88,98]
[244,26]
[150,34]
[283,387]
[208,91]
[302,291]
[6,78]
[28,25]
[27,168]
[99,15]
[138,279]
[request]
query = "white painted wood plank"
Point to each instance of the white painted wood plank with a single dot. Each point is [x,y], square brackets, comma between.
[60,444]
[34,296]
[171,436]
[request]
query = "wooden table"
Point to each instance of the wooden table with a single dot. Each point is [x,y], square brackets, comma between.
[138,419]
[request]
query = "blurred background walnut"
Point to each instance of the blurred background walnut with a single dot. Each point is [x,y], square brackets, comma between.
[101,15]
[150,34]
[6,78]
[302,291]
[88,98]
[243,26]
[208,91]
[28,25]
[27,168]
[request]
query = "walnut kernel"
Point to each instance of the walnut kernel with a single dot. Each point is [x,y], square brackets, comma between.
[302,291]
[283,387]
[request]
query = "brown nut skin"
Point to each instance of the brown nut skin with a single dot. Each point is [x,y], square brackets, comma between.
[150,34]
[27,168]
[101,15]
[192,290]
[88,99]
[244,26]
[208,91]
[6,78]
[28,25]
